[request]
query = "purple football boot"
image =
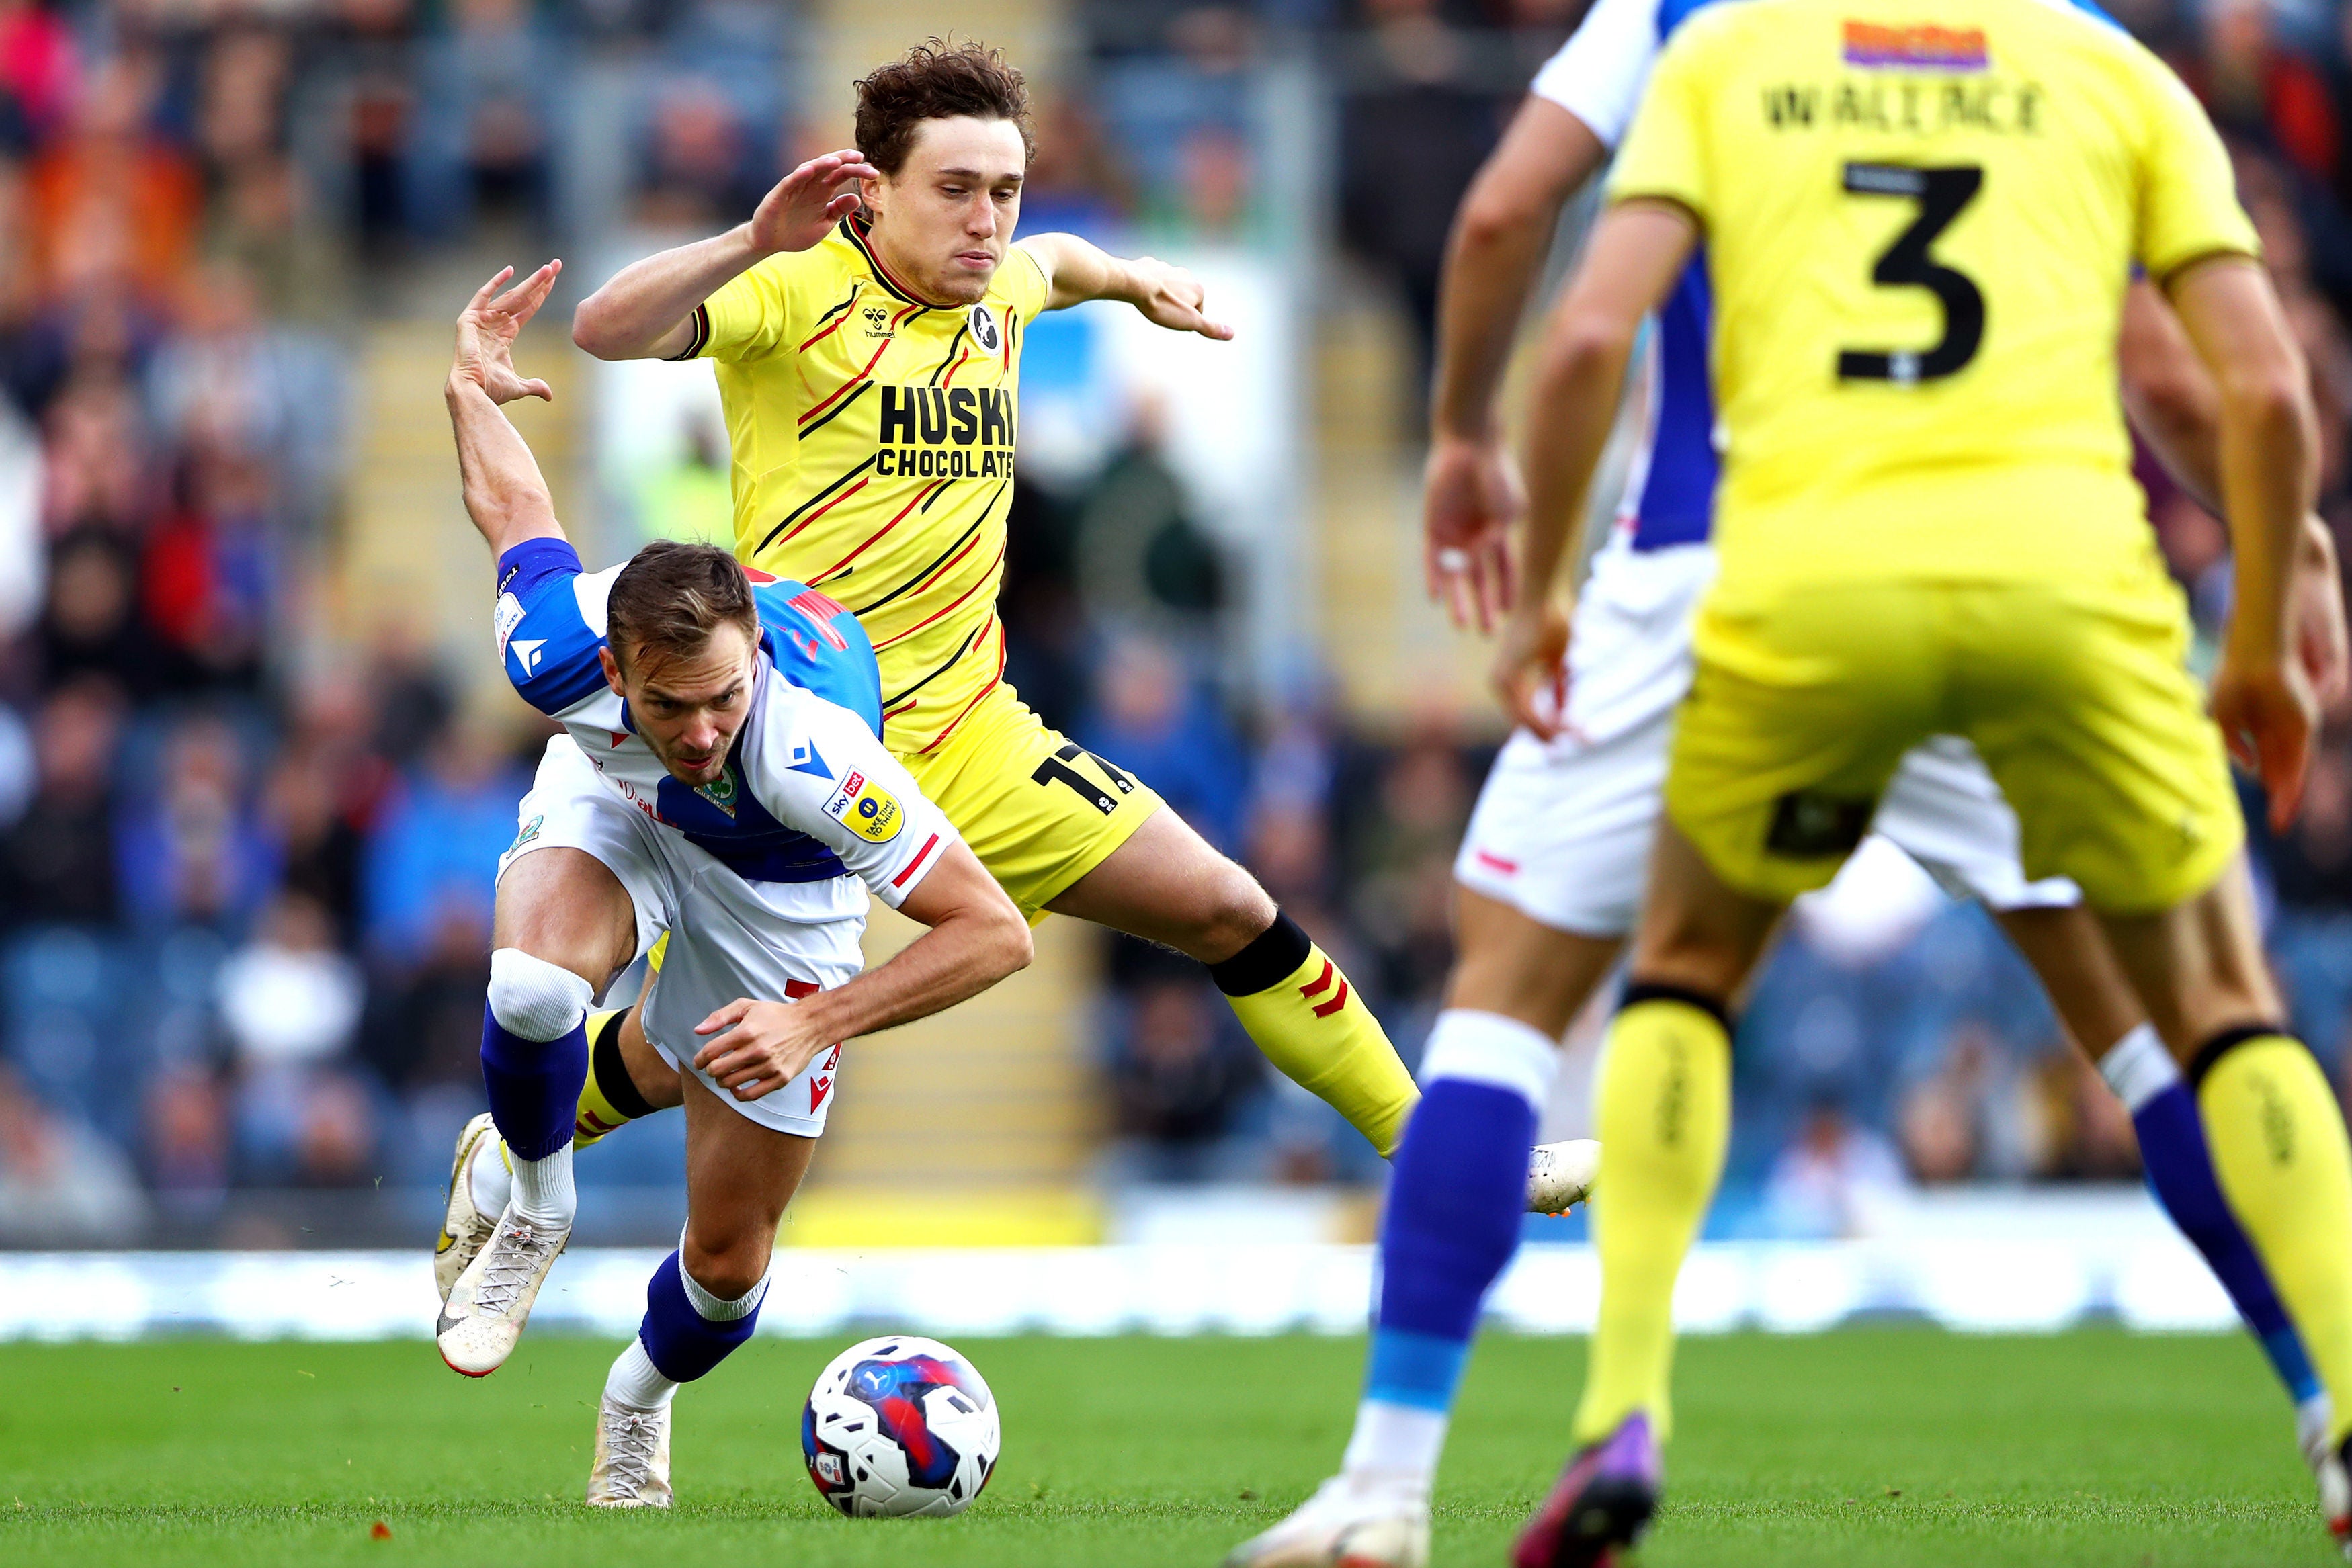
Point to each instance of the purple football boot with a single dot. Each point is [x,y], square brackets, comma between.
[1602,1502]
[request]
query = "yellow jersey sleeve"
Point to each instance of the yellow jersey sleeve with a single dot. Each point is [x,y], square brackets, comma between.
[2187,195]
[752,314]
[1665,151]
[1022,280]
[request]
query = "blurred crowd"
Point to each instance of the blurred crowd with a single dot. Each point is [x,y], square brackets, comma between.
[244,863]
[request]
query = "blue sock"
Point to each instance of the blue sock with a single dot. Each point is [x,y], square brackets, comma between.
[535,1085]
[2180,1172]
[682,1342]
[1456,1205]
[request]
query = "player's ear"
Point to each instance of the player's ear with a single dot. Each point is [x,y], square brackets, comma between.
[612,669]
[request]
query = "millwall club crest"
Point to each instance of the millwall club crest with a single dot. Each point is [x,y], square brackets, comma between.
[983,329]
[719,792]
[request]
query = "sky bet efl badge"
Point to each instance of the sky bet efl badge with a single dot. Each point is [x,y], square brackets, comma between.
[865,809]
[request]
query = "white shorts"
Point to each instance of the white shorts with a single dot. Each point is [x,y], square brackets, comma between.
[769,941]
[1562,829]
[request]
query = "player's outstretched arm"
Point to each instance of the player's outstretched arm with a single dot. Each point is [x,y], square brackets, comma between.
[1637,251]
[645,311]
[2269,460]
[976,938]
[1076,271]
[505,493]
[1501,235]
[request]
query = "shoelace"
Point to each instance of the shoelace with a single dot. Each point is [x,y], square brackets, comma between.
[630,1441]
[514,1257]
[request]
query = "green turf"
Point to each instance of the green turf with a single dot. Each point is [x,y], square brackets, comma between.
[1897,1446]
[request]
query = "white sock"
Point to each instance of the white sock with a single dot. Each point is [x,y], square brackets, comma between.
[636,1382]
[542,1189]
[2139,1068]
[488,1179]
[1396,1447]
[718,1308]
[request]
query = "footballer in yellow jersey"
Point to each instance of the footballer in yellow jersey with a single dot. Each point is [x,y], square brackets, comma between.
[1919,218]
[865,327]
[873,440]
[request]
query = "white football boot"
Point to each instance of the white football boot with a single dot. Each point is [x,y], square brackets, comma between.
[1560,1175]
[1344,1525]
[464,1227]
[632,1466]
[491,1300]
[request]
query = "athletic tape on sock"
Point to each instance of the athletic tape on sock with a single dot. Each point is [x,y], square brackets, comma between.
[1271,956]
[718,1309]
[610,1070]
[1638,991]
[1487,1048]
[2210,1053]
[2138,1069]
[534,999]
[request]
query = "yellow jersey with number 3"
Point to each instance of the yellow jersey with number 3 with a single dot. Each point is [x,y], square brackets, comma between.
[1920,217]
[873,439]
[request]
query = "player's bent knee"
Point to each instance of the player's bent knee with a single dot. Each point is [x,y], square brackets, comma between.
[534,999]
[730,1270]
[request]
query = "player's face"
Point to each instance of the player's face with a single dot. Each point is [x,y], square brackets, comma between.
[943,220]
[688,710]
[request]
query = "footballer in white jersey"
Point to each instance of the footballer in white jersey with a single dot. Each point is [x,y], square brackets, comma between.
[762,873]
[720,779]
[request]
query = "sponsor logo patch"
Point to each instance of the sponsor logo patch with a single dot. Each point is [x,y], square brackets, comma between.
[1922,47]
[865,809]
[504,618]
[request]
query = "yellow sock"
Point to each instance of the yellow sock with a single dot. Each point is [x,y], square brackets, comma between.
[607,1099]
[1302,1013]
[1665,1117]
[2286,1167]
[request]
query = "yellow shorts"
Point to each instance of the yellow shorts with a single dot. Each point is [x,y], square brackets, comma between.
[1036,809]
[2077,695]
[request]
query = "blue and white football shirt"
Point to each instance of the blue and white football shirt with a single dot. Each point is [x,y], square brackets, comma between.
[809,794]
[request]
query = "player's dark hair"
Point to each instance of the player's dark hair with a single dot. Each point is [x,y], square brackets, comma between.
[934,80]
[671,597]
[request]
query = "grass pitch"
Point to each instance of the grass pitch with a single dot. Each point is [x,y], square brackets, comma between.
[1885,1445]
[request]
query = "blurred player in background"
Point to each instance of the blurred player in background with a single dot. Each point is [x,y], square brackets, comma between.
[866,325]
[1926,524]
[707,785]
[1550,869]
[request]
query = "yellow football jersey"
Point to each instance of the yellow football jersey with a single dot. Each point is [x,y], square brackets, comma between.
[873,441]
[1920,217]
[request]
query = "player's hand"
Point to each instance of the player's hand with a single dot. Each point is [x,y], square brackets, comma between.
[1170,296]
[1528,655]
[807,202]
[2319,635]
[763,1047]
[487,332]
[2267,715]
[1473,495]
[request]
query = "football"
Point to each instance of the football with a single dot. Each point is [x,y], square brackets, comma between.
[900,1426]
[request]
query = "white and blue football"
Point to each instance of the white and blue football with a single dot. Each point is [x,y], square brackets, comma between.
[898,1426]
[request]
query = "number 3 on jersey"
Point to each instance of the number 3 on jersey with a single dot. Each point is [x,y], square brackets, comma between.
[1941,193]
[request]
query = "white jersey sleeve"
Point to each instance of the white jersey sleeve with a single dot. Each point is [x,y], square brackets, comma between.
[821,771]
[1598,74]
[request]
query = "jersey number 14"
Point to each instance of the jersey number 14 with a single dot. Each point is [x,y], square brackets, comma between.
[1941,193]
